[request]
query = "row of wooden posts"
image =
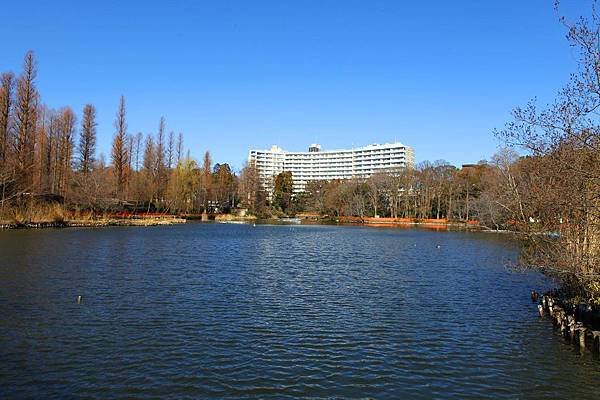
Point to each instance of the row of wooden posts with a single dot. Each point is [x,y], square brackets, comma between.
[570,328]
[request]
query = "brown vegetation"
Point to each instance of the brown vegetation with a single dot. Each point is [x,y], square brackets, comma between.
[43,169]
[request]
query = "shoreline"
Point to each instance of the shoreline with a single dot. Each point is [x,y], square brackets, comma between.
[228,218]
[367,222]
[91,223]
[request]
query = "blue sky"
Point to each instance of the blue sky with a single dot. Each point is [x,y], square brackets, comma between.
[233,75]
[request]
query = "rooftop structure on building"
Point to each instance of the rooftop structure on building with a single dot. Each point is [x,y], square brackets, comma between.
[317,164]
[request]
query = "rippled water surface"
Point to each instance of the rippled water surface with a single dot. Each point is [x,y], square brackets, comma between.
[210,310]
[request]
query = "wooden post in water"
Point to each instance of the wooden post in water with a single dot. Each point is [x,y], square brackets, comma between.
[563,324]
[596,341]
[556,315]
[582,332]
[571,323]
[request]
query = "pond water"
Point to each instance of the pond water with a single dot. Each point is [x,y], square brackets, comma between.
[237,311]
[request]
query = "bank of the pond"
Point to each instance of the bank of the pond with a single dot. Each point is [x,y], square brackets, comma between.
[92,223]
[317,219]
[430,223]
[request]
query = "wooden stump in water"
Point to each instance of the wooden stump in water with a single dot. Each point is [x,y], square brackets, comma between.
[571,324]
[557,315]
[563,325]
[582,332]
[596,341]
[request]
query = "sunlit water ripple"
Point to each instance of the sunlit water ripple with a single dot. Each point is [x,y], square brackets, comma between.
[210,310]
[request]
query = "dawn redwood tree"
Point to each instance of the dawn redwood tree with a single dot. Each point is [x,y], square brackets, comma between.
[206,181]
[179,146]
[7,84]
[50,150]
[25,120]
[148,170]
[160,168]
[87,139]
[138,148]
[120,158]
[130,144]
[170,150]
[67,123]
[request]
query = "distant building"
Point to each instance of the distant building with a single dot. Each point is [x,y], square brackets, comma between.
[316,165]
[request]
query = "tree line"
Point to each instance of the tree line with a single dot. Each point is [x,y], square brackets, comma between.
[494,193]
[47,155]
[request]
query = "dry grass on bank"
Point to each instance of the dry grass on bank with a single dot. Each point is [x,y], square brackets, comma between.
[50,213]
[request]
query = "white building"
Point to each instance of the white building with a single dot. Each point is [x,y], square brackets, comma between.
[315,165]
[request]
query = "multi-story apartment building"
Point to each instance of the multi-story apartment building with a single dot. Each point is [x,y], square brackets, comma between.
[315,165]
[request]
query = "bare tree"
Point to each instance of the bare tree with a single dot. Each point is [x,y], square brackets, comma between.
[87,139]
[149,169]
[563,191]
[179,146]
[7,84]
[25,121]
[160,145]
[160,174]
[130,141]
[120,158]
[138,147]
[206,181]
[373,189]
[67,121]
[170,150]
[149,162]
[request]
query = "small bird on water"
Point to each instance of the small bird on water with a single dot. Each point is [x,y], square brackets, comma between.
[78,299]
[438,247]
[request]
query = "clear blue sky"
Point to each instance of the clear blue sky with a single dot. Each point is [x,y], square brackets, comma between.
[435,75]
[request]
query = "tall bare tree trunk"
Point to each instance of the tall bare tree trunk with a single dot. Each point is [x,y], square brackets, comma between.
[7,84]
[25,122]
[120,158]
[87,139]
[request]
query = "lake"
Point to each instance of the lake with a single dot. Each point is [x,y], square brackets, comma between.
[237,311]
